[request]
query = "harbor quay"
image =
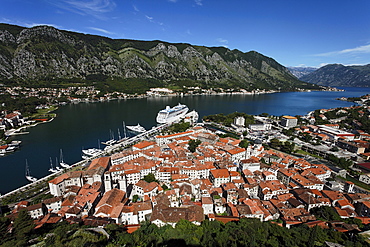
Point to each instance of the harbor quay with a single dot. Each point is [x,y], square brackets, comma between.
[108,150]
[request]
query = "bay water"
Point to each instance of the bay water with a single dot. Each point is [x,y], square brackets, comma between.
[85,125]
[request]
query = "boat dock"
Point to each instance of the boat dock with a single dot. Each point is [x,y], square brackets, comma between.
[108,150]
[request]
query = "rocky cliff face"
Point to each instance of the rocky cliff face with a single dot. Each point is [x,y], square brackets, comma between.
[299,72]
[340,75]
[47,53]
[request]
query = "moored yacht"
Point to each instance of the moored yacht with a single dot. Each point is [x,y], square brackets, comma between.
[28,174]
[62,163]
[136,128]
[88,153]
[52,169]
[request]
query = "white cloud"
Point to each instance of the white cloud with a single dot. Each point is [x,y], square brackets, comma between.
[198,2]
[100,30]
[135,8]
[94,8]
[98,6]
[350,51]
[5,20]
[221,40]
[172,1]
[151,19]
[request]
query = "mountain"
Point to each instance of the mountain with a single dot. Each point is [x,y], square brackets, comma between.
[299,72]
[340,75]
[45,55]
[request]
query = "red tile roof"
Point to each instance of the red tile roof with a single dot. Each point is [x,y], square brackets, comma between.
[220,173]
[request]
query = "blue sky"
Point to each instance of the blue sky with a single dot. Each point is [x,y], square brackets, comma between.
[293,32]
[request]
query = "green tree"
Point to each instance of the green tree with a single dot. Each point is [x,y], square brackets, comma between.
[244,143]
[191,233]
[4,223]
[165,187]
[275,143]
[341,162]
[334,149]
[150,178]
[288,132]
[179,127]
[135,198]
[288,147]
[23,225]
[325,213]
[210,230]
[193,144]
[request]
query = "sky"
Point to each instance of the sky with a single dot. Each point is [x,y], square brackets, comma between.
[308,33]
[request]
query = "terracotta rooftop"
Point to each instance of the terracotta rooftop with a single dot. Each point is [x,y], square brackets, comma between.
[144,144]
[220,173]
[192,213]
[112,198]
[99,162]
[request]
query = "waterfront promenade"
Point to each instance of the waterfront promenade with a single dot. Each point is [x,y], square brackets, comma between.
[107,151]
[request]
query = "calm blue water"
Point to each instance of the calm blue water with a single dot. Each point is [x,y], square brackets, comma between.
[84,125]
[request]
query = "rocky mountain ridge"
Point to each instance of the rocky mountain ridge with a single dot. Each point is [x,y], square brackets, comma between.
[46,53]
[299,72]
[340,75]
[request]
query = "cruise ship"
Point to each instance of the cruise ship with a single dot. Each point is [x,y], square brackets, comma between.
[173,114]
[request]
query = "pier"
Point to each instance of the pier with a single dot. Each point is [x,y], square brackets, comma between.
[108,150]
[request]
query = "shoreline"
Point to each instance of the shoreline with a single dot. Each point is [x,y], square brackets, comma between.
[81,163]
[17,131]
[40,180]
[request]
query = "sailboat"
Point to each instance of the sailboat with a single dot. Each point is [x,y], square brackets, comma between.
[56,165]
[124,130]
[62,163]
[52,169]
[119,135]
[28,174]
[111,141]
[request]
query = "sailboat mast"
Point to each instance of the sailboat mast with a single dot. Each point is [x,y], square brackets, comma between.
[119,135]
[124,129]
[27,171]
[61,156]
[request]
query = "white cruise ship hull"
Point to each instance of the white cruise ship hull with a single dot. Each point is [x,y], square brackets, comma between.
[173,114]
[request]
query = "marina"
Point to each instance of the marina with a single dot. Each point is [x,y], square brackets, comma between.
[77,125]
[90,155]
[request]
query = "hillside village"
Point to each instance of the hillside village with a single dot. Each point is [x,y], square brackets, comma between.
[163,182]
